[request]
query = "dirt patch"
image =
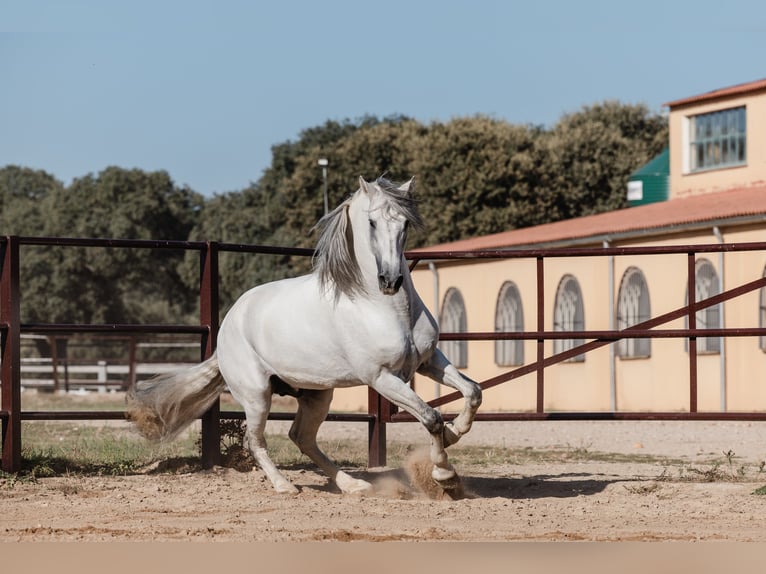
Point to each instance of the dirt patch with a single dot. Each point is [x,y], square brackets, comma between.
[580,481]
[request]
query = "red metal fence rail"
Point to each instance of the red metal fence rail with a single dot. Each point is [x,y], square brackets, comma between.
[380,412]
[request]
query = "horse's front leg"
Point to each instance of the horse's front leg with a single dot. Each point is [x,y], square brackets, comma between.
[401,394]
[442,371]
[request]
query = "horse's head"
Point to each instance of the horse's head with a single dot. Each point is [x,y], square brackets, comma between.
[387,225]
[361,242]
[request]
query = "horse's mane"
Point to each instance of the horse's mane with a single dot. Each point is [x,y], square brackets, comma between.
[334,260]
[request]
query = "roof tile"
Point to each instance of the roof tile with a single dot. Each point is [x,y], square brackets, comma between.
[716,206]
[720,93]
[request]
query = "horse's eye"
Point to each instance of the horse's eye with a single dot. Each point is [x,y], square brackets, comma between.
[372,223]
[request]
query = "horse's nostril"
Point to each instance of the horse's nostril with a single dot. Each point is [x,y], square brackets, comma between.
[388,286]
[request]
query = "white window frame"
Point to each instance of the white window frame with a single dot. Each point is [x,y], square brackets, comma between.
[715,140]
[568,315]
[509,317]
[633,307]
[707,284]
[453,320]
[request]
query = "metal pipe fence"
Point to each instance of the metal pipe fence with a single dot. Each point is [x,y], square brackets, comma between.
[380,412]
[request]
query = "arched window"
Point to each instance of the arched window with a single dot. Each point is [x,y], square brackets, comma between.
[707,285]
[453,320]
[568,315]
[633,308]
[762,314]
[509,317]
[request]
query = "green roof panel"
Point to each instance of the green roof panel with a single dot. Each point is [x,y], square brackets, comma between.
[659,165]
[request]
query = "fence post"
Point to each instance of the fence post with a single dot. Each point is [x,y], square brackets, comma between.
[540,404]
[692,302]
[208,309]
[11,357]
[132,352]
[380,409]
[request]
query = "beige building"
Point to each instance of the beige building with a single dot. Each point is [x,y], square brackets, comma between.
[717,194]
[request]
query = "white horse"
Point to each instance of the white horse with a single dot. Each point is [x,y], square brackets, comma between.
[355,320]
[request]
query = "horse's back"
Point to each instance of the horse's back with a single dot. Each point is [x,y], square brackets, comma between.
[268,309]
[287,328]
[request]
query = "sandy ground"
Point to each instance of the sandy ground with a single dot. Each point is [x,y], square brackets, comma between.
[661,481]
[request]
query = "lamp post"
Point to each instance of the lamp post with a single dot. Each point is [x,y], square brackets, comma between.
[323,163]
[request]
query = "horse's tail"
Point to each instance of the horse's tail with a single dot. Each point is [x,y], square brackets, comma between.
[163,406]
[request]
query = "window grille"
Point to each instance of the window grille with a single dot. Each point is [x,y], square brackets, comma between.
[633,308]
[509,317]
[707,285]
[453,320]
[568,315]
[718,139]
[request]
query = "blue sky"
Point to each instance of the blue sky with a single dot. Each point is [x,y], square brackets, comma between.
[204,89]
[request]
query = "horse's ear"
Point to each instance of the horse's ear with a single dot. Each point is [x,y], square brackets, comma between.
[408,187]
[363,185]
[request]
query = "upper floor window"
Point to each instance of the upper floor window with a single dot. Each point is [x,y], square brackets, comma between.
[453,320]
[568,315]
[509,317]
[717,139]
[633,308]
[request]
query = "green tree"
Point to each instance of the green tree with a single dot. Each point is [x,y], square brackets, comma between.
[23,192]
[590,154]
[474,176]
[24,196]
[103,285]
[239,217]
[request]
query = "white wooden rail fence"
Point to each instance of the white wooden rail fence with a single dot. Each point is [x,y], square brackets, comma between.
[100,376]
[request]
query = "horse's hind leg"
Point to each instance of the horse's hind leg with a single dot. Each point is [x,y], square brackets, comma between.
[250,387]
[257,411]
[313,406]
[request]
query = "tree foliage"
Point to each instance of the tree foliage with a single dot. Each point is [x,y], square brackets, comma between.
[102,285]
[22,195]
[475,175]
[591,154]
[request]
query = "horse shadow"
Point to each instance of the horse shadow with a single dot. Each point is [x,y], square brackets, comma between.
[395,483]
[564,485]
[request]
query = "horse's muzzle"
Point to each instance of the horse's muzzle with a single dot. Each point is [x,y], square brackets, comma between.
[388,287]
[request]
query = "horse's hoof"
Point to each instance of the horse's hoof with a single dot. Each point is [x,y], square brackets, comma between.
[286,489]
[348,485]
[360,487]
[451,436]
[423,477]
[450,483]
[450,489]
[442,475]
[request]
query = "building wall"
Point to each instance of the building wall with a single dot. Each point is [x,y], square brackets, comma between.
[658,383]
[745,362]
[683,183]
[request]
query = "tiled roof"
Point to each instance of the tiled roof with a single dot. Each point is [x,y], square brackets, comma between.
[710,207]
[737,90]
